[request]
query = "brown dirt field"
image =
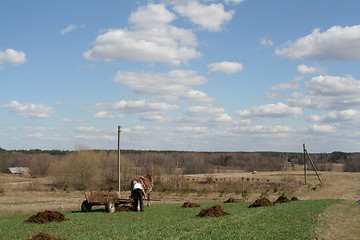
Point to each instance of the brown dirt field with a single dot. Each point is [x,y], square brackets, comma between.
[231,200]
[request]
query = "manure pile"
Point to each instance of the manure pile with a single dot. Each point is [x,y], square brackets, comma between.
[231,200]
[45,236]
[46,216]
[214,211]
[190,205]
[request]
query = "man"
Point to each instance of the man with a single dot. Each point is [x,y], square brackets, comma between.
[137,193]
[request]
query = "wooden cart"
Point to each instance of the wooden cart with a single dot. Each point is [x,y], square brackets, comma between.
[109,199]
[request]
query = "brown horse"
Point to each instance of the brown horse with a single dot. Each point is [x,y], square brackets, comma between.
[147,182]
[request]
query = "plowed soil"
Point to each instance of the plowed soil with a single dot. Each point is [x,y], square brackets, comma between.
[46,216]
[214,211]
[121,208]
[262,202]
[45,236]
[190,205]
[231,200]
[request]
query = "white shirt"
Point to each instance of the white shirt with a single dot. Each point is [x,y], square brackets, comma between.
[138,186]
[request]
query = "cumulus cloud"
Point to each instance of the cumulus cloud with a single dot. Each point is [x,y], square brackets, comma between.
[72,27]
[303,69]
[87,129]
[107,115]
[12,57]
[195,129]
[329,92]
[205,114]
[321,128]
[172,86]
[29,110]
[225,67]
[211,17]
[341,43]
[349,115]
[151,39]
[147,110]
[294,84]
[278,110]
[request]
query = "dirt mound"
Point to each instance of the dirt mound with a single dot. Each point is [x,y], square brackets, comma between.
[261,202]
[46,216]
[121,208]
[294,199]
[44,236]
[190,205]
[231,200]
[214,211]
[282,199]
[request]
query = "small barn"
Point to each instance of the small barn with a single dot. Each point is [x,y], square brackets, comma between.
[17,170]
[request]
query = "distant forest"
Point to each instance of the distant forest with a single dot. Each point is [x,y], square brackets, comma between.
[191,162]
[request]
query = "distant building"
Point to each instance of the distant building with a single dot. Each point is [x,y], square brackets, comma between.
[17,170]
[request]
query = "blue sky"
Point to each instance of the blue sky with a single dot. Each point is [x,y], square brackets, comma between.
[232,75]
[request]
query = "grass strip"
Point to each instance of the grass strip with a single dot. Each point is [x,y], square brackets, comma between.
[294,220]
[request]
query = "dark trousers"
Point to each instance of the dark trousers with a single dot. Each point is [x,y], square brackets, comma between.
[138,197]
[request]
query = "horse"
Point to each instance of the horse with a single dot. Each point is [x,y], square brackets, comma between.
[147,183]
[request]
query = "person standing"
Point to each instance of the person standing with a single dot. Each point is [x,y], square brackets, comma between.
[137,193]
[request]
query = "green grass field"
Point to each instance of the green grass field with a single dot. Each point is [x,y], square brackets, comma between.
[294,220]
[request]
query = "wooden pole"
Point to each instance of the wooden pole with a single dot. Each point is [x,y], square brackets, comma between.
[313,165]
[119,130]
[304,162]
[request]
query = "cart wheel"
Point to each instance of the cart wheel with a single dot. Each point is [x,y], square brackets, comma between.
[85,206]
[110,207]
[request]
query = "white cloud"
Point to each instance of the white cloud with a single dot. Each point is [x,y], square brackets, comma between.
[341,43]
[151,39]
[349,115]
[102,138]
[303,69]
[29,110]
[106,115]
[72,27]
[148,110]
[266,42]
[171,86]
[87,129]
[211,17]
[225,67]
[196,129]
[329,92]
[13,57]
[261,129]
[37,135]
[71,120]
[278,110]
[321,128]
[205,114]
[234,1]
[294,84]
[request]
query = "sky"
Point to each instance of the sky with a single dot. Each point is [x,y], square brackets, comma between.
[197,75]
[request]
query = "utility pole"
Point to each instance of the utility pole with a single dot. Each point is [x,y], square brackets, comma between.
[304,161]
[312,164]
[119,130]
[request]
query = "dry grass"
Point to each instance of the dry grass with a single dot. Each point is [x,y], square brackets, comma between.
[340,221]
